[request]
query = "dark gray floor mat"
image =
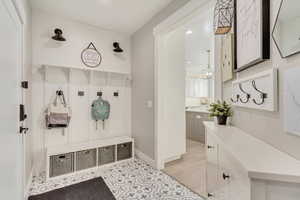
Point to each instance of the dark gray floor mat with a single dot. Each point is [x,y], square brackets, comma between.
[94,189]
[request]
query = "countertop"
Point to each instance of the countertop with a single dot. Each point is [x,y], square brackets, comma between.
[261,160]
[198,109]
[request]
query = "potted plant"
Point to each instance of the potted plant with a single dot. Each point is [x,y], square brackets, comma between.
[221,110]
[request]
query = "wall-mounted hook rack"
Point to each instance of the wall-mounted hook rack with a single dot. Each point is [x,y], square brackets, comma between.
[258,91]
[262,95]
[248,96]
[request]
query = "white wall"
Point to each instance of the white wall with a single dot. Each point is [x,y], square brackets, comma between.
[78,35]
[267,126]
[49,52]
[171,96]
[25,11]
[143,80]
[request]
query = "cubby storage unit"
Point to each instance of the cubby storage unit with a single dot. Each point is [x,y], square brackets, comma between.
[67,159]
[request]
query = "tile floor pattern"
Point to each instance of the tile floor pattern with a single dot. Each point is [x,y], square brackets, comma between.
[130,180]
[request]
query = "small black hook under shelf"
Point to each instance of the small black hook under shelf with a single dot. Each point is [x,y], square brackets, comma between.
[99,94]
[116,94]
[262,95]
[246,93]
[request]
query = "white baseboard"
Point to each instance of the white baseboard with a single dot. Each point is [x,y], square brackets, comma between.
[144,157]
[173,158]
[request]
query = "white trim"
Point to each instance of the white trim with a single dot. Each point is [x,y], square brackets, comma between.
[14,11]
[145,158]
[173,159]
[179,18]
[28,184]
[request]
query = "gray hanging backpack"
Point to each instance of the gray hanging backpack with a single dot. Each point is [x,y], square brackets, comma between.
[100,110]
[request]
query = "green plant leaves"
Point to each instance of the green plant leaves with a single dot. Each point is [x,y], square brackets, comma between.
[220,109]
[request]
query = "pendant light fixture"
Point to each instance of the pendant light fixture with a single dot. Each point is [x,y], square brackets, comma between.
[58,35]
[223,16]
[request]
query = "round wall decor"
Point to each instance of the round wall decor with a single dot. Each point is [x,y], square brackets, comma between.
[91,57]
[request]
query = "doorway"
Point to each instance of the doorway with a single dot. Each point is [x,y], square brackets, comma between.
[184,90]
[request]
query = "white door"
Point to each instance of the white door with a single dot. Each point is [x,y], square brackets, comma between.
[11,145]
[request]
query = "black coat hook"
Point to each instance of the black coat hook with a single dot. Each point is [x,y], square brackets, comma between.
[246,93]
[59,93]
[237,99]
[262,95]
[99,94]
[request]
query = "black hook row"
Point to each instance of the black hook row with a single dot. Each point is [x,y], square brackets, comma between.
[247,96]
[100,94]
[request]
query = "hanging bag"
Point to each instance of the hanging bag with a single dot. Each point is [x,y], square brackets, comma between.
[58,113]
[100,110]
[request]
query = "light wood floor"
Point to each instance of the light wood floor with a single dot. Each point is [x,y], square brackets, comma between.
[190,169]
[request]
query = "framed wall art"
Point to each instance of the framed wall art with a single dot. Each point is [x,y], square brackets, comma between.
[291,101]
[91,57]
[227,57]
[252,31]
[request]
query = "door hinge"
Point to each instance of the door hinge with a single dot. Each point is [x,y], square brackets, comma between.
[24,84]
[23,116]
[23,130]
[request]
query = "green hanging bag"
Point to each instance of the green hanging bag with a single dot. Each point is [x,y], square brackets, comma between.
[100,110]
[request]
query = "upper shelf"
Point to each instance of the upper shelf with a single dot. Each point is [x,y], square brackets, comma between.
[127,75]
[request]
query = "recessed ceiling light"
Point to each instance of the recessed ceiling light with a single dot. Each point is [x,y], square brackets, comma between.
[189,32]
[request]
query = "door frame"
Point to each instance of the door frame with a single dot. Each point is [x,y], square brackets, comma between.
[176,20]
[14,9]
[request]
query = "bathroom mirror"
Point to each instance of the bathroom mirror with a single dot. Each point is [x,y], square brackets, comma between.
[286,32]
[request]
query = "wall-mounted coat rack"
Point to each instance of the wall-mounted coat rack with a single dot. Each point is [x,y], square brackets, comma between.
[81,87]
[258,91]
[90,72]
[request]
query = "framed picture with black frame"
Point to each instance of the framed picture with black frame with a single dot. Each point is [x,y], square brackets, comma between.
[252,33]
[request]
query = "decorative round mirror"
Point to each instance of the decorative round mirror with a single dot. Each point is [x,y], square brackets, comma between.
[286,31]
[91,57]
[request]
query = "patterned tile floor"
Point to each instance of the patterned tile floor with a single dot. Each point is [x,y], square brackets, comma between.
[130,180]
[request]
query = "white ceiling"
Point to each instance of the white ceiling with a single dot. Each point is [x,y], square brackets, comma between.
[125,16]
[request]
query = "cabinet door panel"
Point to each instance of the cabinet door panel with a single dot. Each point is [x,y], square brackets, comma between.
[212,165]
[234,176]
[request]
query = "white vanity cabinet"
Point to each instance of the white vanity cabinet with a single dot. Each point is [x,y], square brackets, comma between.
[226,178]
[241,167]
